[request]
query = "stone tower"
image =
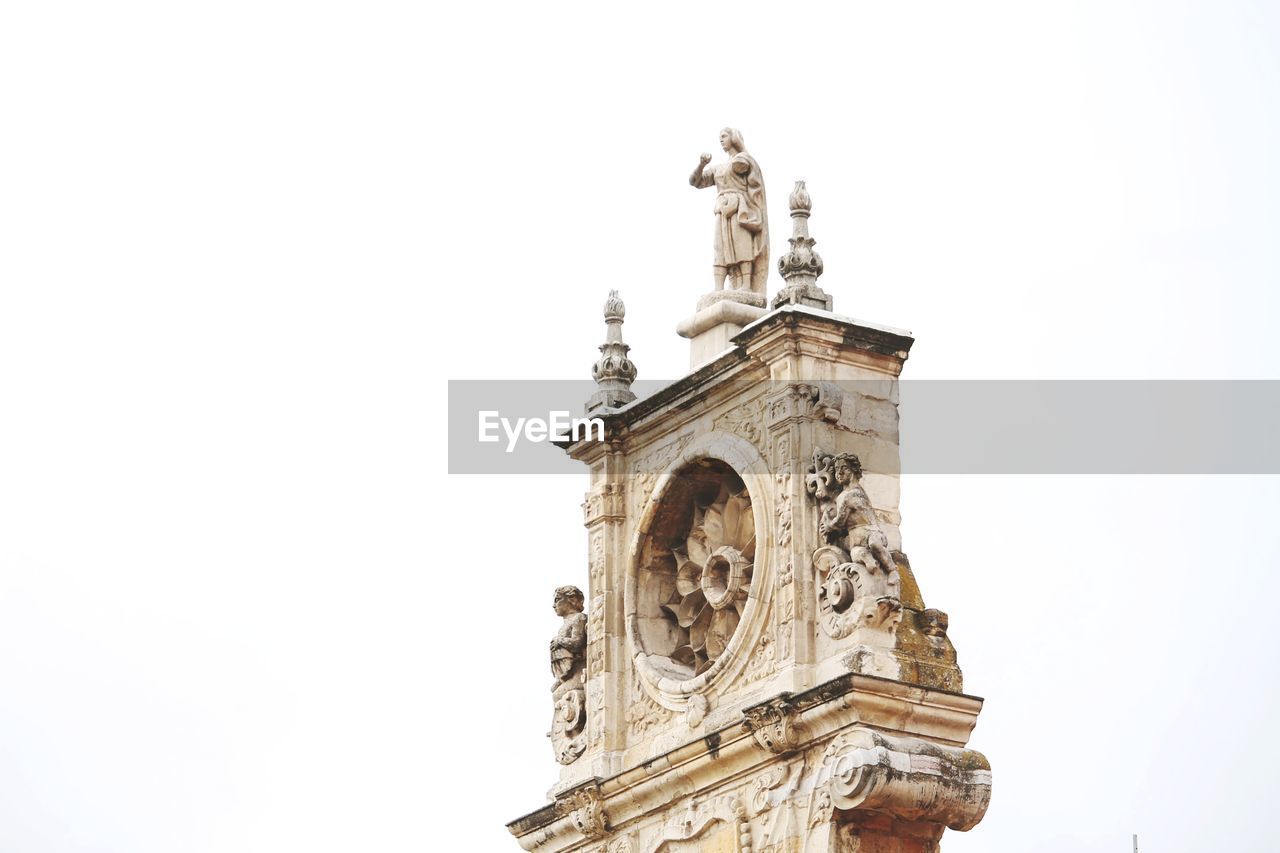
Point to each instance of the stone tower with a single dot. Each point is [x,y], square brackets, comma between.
[756,669]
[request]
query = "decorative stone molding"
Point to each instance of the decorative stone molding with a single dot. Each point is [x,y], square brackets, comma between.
[775,724]
[696,711]
[584,807]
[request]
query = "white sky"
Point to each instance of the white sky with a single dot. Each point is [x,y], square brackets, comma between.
[244,245]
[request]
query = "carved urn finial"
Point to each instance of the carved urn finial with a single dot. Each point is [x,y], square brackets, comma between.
[613,371]
[801,266]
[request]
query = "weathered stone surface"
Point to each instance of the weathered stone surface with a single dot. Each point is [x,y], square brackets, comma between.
[761,670]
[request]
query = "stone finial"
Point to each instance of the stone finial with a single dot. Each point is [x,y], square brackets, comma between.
[613,371]
[801,266]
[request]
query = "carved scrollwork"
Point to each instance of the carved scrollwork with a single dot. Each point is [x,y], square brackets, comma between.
[764,784]
[747,420]
[852,593]
[719,824]
[906,778]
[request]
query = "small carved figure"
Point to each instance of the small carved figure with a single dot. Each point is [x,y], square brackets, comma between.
[851,517]
[857,579]
[568,646]
[742,222]
[568,661]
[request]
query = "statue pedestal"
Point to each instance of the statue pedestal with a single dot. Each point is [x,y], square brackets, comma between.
[720,315]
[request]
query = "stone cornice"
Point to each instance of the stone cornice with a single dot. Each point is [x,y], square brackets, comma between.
[812,717]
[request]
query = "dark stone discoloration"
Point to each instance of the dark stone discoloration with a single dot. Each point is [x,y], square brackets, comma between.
[713,744]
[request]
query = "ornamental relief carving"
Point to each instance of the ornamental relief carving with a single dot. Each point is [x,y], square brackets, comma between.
[596,561]
[646,470]
[643,714]
[585,809]
[857,580]
[696,570]
[746,420]
[719,824]
[595,637]
[782,497]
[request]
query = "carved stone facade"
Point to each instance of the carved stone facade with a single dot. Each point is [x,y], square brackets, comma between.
[759,670]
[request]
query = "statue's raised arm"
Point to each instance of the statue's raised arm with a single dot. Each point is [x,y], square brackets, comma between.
[741,217]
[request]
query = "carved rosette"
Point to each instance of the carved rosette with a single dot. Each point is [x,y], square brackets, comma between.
[856,579]
[699,569]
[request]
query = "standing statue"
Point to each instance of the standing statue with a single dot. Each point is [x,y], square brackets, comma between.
[568,661]
[568,646]
[742,221]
